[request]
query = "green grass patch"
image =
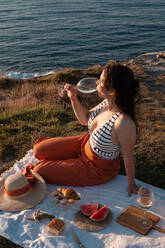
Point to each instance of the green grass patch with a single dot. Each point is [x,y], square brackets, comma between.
[19,130]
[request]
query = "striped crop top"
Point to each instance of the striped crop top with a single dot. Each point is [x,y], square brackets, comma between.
[101,140]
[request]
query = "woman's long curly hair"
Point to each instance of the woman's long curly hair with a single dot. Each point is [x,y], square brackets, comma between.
[122,80]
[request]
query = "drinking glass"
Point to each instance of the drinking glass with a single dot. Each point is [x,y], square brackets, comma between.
[86,85]
[145,199]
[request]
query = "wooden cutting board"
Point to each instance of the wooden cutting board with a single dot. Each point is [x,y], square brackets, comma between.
[132,216]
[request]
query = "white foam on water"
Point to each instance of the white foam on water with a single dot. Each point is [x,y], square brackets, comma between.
[24,75]
[21,75]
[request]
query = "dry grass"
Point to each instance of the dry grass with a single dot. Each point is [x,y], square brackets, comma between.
[20,94]
[27,95]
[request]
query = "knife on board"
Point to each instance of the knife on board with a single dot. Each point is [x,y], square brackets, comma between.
[77,240]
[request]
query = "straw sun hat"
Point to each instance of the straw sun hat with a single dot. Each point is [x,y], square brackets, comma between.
[17,193]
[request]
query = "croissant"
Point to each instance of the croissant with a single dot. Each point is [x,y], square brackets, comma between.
[69,193]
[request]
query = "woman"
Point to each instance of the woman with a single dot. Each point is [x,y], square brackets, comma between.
[93,158]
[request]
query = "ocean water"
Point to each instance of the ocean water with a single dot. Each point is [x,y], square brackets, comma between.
[38,36]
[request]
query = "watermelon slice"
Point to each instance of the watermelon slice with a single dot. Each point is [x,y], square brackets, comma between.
[89,209]
[100,215]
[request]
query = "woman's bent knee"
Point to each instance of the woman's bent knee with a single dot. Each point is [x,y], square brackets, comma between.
[44,173]
[38,148]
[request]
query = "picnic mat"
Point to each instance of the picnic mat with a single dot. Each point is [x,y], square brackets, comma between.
[29,234]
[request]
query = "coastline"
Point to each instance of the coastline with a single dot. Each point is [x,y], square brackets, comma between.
[152,61]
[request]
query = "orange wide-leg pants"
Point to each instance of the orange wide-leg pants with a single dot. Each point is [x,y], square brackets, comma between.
[70,161]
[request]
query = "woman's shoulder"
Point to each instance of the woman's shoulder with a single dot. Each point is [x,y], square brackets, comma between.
[124,122]
[125,129]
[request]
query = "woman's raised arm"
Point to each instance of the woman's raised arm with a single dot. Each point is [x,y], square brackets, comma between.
[80,112]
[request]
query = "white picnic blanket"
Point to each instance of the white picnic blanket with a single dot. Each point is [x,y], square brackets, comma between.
[29,234]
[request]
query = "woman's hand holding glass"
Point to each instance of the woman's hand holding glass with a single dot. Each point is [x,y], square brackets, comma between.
[71,90]
[86,86]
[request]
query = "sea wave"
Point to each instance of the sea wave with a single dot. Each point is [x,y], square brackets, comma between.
[23,75]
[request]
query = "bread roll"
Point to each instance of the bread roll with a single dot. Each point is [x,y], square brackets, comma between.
[56,226]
